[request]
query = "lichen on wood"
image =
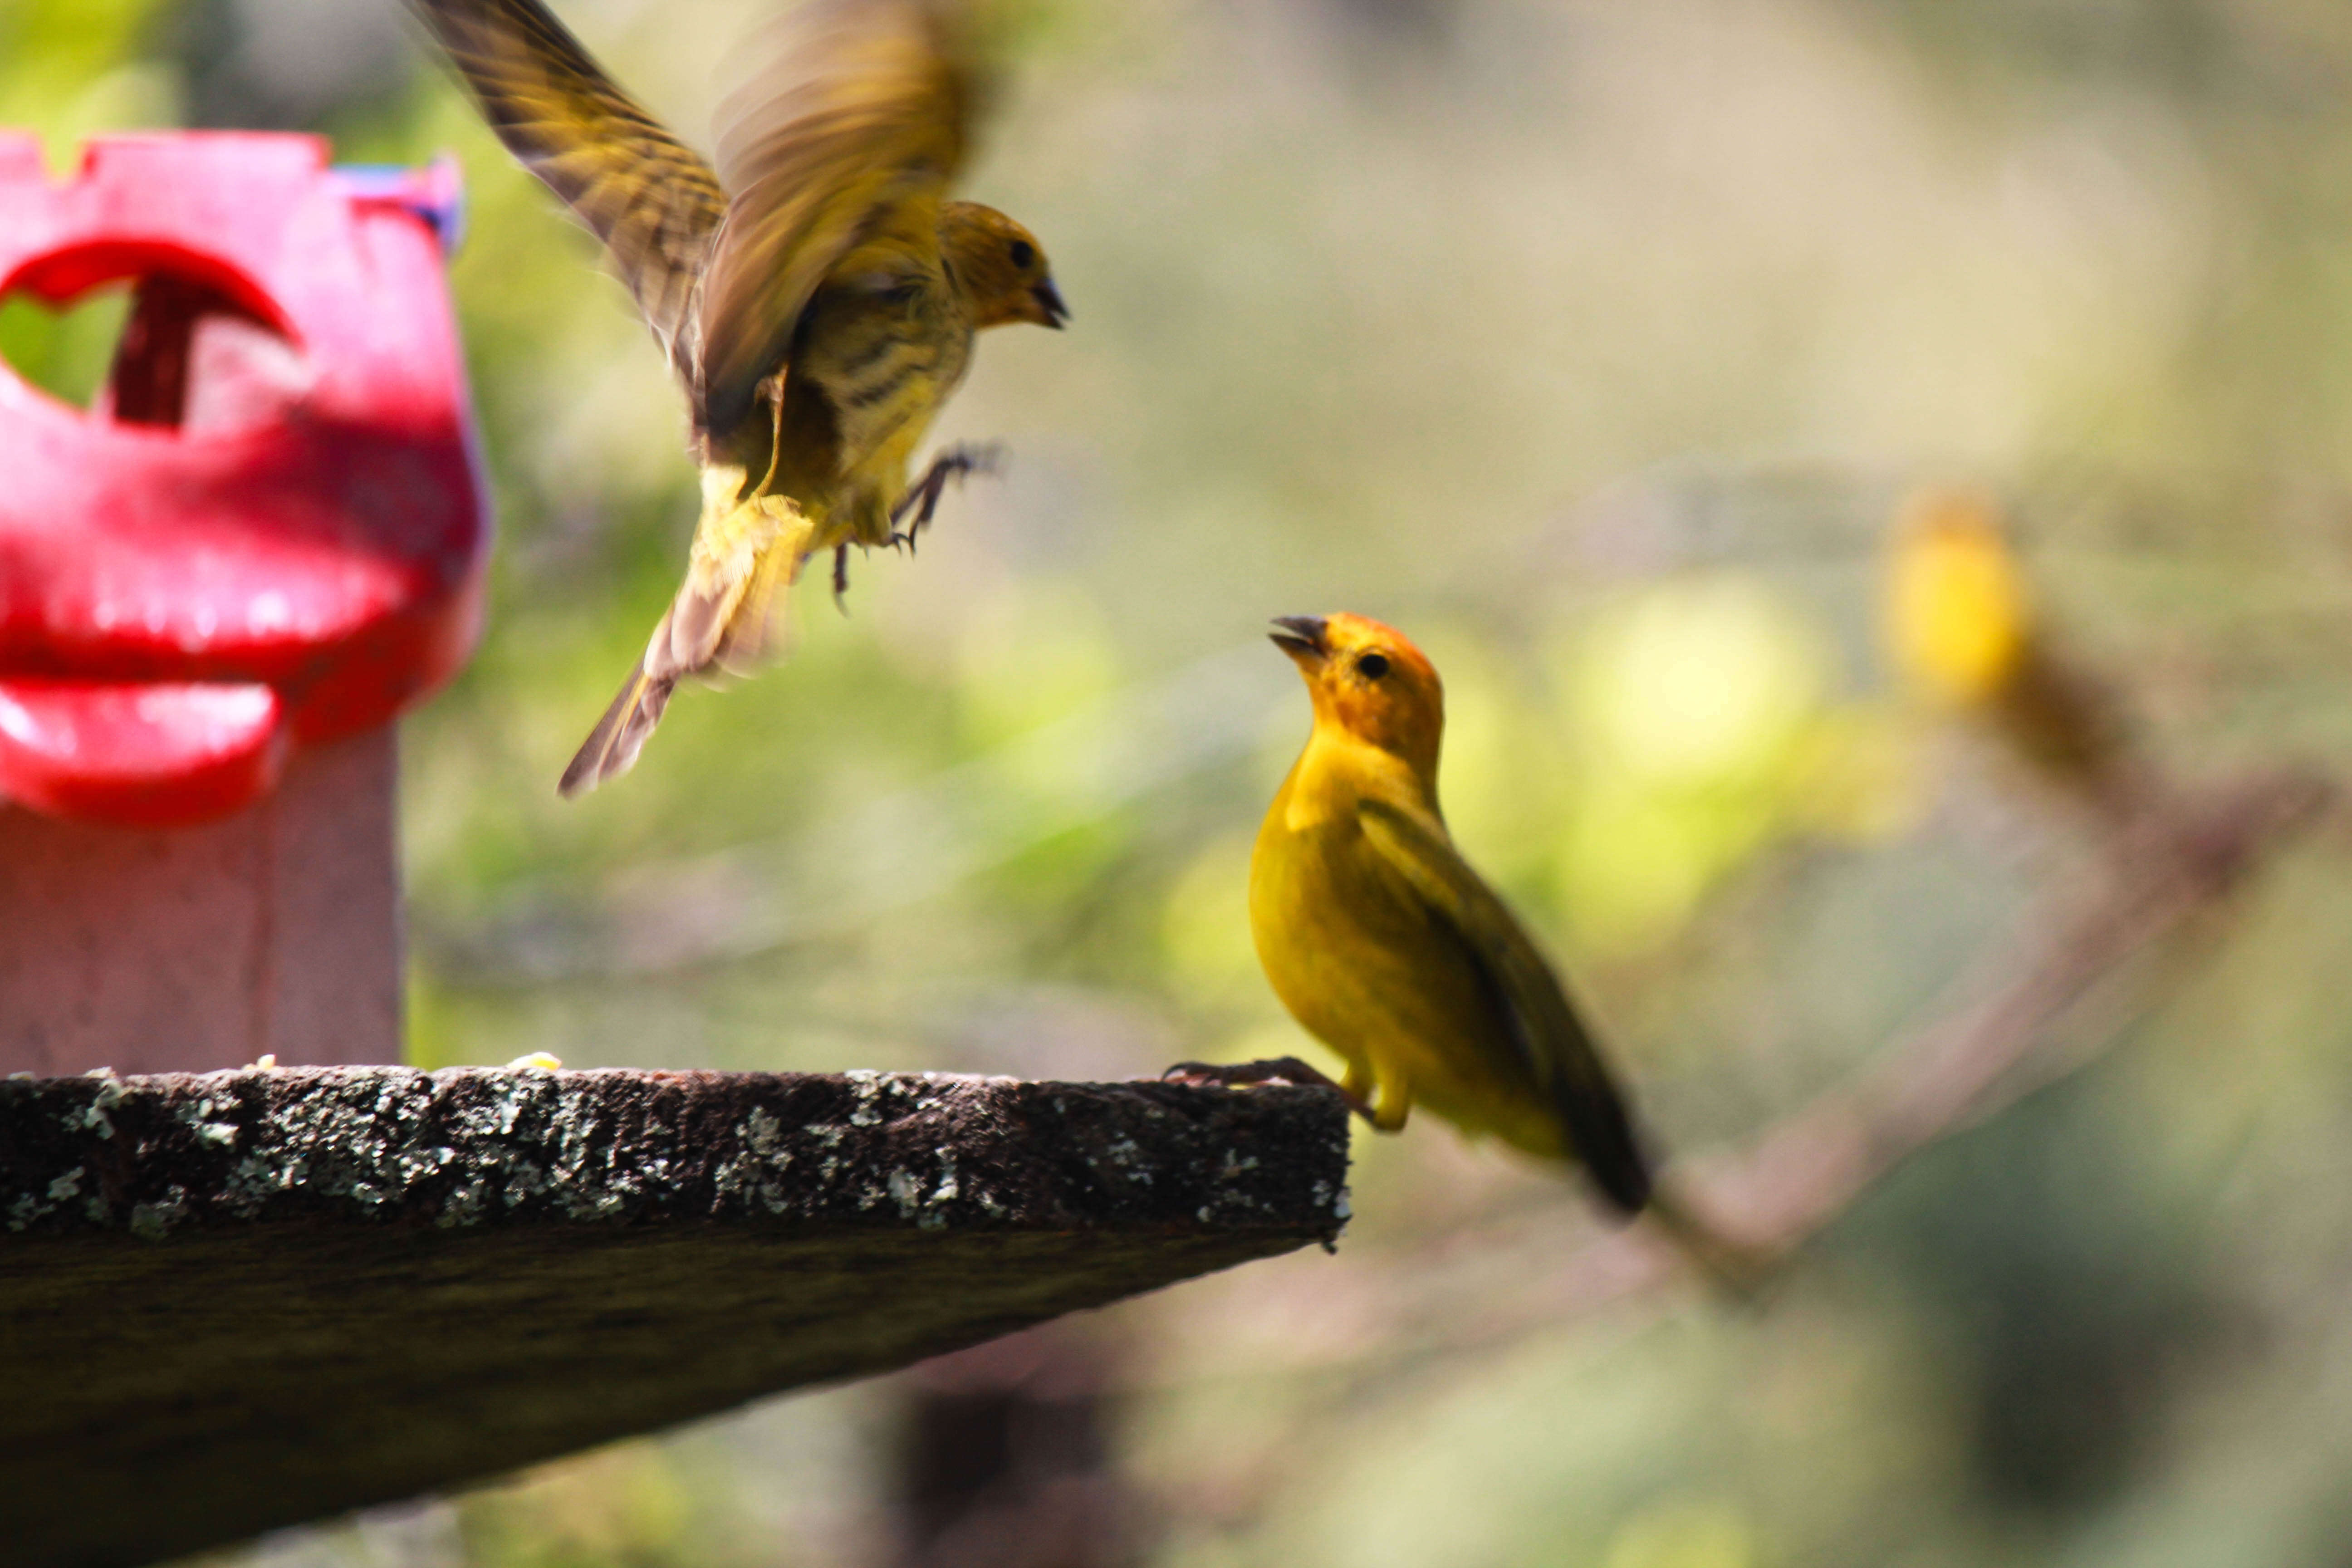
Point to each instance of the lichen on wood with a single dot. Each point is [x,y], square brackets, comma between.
[249,1298]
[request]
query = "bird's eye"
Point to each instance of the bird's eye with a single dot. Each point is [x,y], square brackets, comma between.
[1373,666]
[1024,255]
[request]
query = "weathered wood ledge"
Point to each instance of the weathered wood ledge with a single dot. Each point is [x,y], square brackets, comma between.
[236,1300]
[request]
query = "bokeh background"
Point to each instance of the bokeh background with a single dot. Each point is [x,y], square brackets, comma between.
[1597,345]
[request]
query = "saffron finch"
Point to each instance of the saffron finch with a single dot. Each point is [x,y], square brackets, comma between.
[1385,944]
[815,292]
[1960,625]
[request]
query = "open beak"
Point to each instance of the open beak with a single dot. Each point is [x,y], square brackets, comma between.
[1049,301]
[1302,637]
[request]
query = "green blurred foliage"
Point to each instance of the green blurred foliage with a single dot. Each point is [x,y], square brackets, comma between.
[1593,346]
[64,353]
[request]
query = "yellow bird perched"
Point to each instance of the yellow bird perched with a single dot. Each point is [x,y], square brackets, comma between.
[1960,625]
[817,291]
[1386,946]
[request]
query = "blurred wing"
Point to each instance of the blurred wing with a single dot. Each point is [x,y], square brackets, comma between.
[652,201]
[850,138]
[1546,1036]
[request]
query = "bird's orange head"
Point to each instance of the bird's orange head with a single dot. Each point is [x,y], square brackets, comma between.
[1369,681]
[1001,265]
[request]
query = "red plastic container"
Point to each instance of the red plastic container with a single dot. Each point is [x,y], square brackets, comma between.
[272,529]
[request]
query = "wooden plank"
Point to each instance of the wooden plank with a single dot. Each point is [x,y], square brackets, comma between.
[234,1302]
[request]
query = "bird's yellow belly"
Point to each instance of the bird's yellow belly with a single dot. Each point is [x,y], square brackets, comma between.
[1362,969]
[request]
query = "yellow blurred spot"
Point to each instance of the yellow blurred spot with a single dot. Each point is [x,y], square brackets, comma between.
[538,1060]
[1699,683]
[1688,1534]
[1635,867]
[1956,612]
[1859,774]
[1695,703]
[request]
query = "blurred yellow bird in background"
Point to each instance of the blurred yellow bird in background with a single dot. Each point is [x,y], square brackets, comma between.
[817,291]
[1386,946]
[1960,625]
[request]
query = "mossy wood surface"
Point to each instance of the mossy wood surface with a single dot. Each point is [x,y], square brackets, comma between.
[238,1300]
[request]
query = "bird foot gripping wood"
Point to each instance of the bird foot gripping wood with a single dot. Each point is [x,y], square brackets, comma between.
[1272,1069]
[922,497]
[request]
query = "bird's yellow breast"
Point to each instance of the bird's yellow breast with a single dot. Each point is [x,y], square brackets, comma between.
[1359,960]
[1336,935]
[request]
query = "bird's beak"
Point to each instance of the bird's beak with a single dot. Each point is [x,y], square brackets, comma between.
[1052,313]
[1302,637]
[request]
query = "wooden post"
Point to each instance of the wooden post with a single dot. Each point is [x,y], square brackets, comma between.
[273,932]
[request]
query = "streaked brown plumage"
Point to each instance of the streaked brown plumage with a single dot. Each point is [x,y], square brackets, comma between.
[815,292]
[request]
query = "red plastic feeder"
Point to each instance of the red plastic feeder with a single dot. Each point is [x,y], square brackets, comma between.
[277,493]
[267,538]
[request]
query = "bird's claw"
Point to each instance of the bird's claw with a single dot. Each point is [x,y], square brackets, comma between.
[923,499]
[841,578]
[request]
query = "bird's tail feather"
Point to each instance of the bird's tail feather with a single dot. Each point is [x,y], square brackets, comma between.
[742,554]
[613,745]
[752,636]
[722,617]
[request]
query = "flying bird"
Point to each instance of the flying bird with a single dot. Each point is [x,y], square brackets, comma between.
[1387,946]
[814,289]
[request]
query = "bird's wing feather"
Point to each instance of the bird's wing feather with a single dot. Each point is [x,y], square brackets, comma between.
[648,196]
[1548,1039]
[852,137]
